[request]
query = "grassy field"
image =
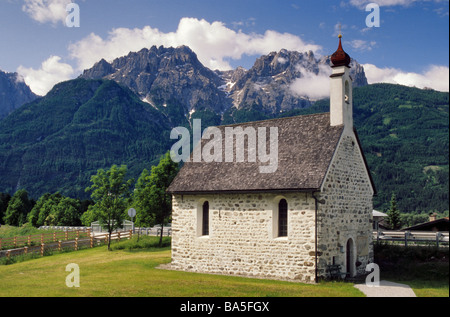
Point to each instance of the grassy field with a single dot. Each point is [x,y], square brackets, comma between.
[130,270]
[133,273]
[11,231]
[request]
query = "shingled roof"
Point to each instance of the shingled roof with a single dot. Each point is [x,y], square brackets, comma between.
[306,145]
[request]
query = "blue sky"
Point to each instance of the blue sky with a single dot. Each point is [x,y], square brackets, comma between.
[409,47]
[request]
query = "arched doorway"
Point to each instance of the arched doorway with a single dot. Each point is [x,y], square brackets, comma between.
[350,258]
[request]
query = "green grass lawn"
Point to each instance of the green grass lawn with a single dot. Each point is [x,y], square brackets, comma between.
[133,273]
[428,288]
[130,270]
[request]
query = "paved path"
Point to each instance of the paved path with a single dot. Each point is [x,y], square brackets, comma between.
[386,289]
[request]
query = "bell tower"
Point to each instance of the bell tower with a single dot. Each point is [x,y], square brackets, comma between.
[341,96]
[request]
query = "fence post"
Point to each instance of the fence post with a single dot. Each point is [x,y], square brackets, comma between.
[92,241]
[59,245]
[76,244]
[42,249]
[25,250]
[438,236]
[8,253]
[15,241]
[54,236]
[407,233]
[118,236]
[66,235]
[29,240]
[131,234]
[78,234]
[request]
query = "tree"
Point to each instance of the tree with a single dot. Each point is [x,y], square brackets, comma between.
[141,201]
[4,201]
[153,203]
[55,210]
[393,214]
[90,215]
[18,208]
[110,193]
[33,216]
[62,211]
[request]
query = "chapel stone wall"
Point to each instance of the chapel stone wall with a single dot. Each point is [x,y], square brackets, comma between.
[241,238]
[347,212]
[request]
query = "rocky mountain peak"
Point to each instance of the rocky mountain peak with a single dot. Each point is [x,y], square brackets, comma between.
[268,83]
[14,92]
[161,75]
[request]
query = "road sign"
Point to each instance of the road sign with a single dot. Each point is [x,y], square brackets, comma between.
[131,212]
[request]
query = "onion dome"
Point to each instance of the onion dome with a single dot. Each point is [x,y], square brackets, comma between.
[340,57]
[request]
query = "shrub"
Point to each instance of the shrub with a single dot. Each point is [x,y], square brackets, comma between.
[415,262]
[145,242]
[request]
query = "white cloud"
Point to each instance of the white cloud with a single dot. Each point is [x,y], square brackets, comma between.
[51,72]
[43,11]
[282,60]
[382,3]
[314,86]
[387,3]
[361,45]
[214,43]
[436,77]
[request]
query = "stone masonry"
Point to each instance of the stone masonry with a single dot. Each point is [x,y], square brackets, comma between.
[241,239]
[347,211]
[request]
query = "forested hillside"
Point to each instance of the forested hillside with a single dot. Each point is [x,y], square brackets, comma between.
[57,142]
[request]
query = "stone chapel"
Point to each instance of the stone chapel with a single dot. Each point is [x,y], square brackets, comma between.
[315,210]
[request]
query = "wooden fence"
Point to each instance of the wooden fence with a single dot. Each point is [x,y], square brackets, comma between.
[413,237]
[37,239]
[77,243]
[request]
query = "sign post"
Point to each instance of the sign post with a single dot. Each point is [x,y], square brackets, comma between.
[132,213]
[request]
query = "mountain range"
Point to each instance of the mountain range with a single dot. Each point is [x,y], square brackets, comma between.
[122,112]
[162,75]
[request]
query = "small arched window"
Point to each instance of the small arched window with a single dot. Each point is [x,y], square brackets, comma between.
[282,218]
[205,219]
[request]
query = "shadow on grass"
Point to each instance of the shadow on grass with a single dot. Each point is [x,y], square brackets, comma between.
[424,268]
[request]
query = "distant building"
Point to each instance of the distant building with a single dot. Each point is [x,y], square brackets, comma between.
[377,219]
[313,211]
[433,225]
